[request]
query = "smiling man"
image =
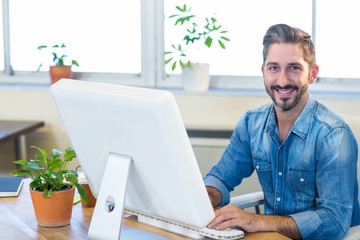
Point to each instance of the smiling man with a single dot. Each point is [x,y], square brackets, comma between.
[305,155]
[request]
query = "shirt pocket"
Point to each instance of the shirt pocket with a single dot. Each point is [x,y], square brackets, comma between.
[302,184]
[263,170]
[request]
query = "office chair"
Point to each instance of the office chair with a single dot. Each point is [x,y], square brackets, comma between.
[256,199]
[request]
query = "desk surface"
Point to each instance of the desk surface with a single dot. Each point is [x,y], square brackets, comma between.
[10,130]
[18,221]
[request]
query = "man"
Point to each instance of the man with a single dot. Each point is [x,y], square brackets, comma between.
[304,154]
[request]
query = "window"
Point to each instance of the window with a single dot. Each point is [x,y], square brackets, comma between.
[337,38]
[1,44]
[103,36]
[246,22]
[124,41]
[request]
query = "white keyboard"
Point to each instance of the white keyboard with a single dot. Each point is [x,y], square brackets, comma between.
[187,230]
[227,233]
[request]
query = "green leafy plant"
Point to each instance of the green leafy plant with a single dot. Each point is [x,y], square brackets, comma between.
[196,30]
[49,174]
[58,54]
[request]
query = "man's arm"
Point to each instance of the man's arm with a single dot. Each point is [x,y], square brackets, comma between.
[214,195]
[231,215]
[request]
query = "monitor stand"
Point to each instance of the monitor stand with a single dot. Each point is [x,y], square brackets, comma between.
[108,211]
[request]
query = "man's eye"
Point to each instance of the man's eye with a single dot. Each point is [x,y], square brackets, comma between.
[273,68]
[295,68]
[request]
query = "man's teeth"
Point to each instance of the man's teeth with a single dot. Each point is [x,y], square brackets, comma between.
[284,90]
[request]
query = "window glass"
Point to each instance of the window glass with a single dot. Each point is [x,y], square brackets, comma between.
[103,36]
[1,43]
[246,22]
[338,38]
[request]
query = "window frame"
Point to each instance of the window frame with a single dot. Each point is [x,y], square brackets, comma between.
[152,61]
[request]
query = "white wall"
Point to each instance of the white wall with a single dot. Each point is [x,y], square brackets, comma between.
[32,104]
[209,110]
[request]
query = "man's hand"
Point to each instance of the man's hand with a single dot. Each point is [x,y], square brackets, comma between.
[232,216]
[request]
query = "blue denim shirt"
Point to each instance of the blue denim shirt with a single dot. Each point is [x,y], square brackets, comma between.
[310,176]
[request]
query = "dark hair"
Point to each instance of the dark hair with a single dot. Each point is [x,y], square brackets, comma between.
[282,33]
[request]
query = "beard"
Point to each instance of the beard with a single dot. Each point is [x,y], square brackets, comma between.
[287,103]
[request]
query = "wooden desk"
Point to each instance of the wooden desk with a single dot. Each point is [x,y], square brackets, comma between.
[17,130]
[17,221]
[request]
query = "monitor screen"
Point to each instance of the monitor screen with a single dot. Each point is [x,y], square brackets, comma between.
[143,126]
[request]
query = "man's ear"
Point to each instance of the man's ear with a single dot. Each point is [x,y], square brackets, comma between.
[313,74]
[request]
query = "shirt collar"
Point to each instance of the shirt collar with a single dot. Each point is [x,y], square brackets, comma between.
[302,124]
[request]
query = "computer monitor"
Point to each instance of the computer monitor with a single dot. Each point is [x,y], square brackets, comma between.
[133,147]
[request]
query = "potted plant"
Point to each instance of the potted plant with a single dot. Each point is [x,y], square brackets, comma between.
[52,187]
[198,34]
[59,67]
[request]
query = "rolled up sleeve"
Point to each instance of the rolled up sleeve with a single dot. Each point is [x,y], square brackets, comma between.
[318,225]
[216,183]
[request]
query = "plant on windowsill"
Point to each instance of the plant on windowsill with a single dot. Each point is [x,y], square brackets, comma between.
[59,67]
[52,186]
[198,35]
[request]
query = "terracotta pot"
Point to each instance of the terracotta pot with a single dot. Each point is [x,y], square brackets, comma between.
[55,211]
[91,199]
[59,72]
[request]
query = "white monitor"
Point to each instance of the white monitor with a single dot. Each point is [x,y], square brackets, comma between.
[131,142]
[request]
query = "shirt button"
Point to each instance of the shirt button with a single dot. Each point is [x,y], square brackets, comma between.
[302,179]
[257,167]
[278,199]
[280,173]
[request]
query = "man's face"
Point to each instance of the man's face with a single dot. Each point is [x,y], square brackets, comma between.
[287,76]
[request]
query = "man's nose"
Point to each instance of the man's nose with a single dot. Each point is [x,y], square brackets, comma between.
[283,78]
